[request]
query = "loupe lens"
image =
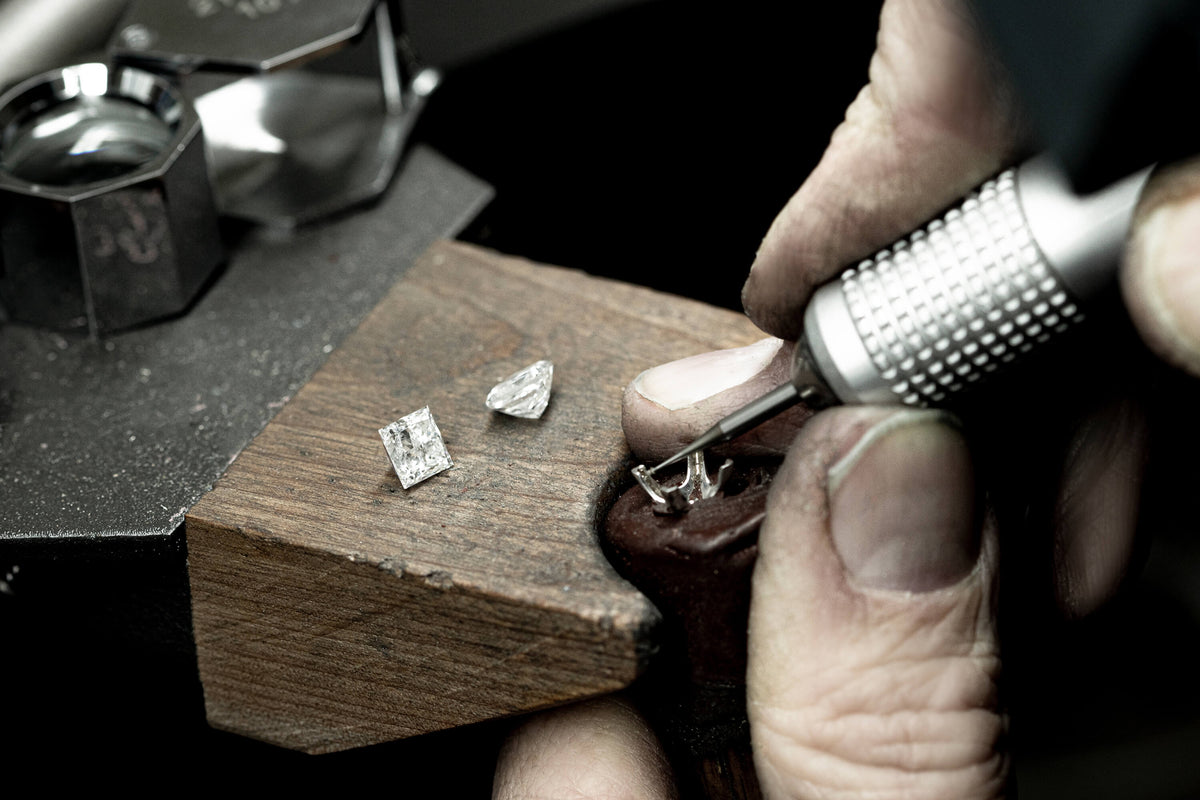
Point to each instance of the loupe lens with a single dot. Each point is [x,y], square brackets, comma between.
[106,214]
[83,140]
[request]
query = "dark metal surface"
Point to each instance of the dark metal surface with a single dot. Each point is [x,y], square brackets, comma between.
[238,36]
[287,146]
[117,438]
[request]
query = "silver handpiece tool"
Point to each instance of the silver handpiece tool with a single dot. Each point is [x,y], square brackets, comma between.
[1004,272]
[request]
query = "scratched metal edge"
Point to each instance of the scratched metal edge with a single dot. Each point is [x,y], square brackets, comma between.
[113,440]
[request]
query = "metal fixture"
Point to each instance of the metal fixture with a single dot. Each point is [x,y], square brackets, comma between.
[106,215]
[306,104]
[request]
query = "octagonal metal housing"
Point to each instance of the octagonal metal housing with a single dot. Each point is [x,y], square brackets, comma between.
[107,218]
[306,104]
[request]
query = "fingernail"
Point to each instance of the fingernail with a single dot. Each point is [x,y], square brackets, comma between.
[686,382]
[1170,252]
[902,504]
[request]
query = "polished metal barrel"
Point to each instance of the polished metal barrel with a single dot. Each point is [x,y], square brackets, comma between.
[1005,271]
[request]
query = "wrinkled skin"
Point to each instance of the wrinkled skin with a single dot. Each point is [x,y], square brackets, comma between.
[874,658]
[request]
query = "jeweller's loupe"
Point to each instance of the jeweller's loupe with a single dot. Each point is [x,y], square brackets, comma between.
[106,215]
[305,103]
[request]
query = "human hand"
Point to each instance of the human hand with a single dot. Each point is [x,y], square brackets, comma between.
[874,644]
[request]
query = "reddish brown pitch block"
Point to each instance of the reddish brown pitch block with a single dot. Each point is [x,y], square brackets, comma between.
[696,567]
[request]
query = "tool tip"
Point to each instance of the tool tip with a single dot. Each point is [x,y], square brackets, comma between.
[709,438]
[740,421]
[682,454]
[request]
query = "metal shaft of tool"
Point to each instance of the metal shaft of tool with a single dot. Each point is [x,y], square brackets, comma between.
[1004,272]
[744,419]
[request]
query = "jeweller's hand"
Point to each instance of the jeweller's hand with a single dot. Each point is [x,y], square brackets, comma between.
[873,647]
[599,749]
[932,124]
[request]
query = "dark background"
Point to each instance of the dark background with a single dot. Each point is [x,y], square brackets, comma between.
[655,144]
[652,144]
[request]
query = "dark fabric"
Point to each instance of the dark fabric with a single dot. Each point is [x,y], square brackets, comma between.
[1107,83]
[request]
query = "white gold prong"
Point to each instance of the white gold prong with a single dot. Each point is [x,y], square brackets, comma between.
[694,487]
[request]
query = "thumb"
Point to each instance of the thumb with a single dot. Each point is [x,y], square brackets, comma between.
[873,655]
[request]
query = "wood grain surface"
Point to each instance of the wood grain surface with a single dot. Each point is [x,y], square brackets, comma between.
[334,609]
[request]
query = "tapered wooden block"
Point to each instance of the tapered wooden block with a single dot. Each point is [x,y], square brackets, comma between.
[333,608]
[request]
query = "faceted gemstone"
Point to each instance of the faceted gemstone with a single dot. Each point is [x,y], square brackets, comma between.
[415,446]
[524,393]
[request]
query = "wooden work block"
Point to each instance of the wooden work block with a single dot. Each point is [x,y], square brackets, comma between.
[334,609]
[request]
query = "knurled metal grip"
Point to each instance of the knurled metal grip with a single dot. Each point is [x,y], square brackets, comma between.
[969,292]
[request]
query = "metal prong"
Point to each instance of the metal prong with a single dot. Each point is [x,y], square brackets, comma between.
[693,479]
[723,473]
[695,486]
[647,482]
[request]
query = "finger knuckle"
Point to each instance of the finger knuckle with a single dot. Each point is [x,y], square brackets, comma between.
[920,731]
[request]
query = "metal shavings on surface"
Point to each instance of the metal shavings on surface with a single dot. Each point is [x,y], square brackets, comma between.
[414,445]
[695,486]
[525,393]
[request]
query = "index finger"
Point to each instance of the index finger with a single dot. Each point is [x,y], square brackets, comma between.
[934,121]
